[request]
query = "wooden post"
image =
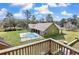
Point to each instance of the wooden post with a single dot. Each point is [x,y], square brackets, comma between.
[49,52]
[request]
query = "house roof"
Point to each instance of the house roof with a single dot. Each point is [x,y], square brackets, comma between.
[57,26]
[40,26]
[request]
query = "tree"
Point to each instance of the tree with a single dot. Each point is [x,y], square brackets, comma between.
[49,18]
[9,17]
[5,23]
[33,19]
[27,14]
[9,22]
[73,19]
[42,20]
[14,23]
[63,20]
[78,23]
[22,24]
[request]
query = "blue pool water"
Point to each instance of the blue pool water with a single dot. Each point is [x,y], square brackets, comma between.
[31,35]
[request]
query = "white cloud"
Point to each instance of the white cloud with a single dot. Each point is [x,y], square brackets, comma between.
[52,5]
[43,10]
[64,4]
[35,13]
[4,10]
[58,4]
[19,16]
[78,16]
[39,16]
[28,6]
[3,13]
[66,13]
[46,12]
[17,4]
[25,6]
[57,18]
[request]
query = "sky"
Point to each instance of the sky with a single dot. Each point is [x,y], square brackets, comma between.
[40,10]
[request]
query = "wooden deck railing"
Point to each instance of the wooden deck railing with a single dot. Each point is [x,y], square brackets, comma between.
[59,48]
[46,46]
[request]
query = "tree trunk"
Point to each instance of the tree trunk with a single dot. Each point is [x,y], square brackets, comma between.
[14,28]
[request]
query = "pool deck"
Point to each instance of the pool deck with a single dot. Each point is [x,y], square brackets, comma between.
[23,38]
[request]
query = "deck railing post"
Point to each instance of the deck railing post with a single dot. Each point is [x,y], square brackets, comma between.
[49,52]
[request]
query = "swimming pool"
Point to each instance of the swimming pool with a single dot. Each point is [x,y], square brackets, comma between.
[29,36]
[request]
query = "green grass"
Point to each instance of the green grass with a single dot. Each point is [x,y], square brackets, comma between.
[12,37]
[70,35]
[67,35]
[55,36]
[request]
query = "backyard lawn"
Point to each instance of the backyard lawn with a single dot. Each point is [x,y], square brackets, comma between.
[67,35]
[70,35]
[12,37]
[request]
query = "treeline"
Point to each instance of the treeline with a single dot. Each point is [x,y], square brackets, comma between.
[74,20]
[9,23]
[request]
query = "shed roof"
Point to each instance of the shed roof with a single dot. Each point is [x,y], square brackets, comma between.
[41,26]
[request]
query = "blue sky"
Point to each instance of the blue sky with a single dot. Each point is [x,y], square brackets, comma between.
[40,10]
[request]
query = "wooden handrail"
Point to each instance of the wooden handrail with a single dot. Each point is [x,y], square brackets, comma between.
[42,47]
[22,46]
[66,46]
